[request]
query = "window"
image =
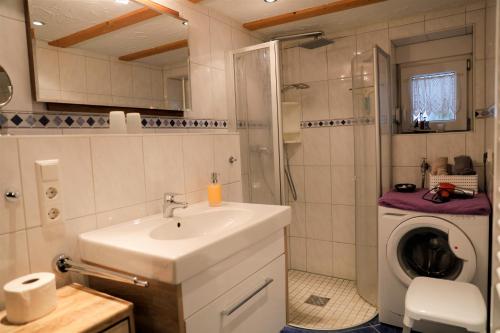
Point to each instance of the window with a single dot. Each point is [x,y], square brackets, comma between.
[435,91]
[434,97]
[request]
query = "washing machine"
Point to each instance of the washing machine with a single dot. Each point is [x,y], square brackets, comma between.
[411,244]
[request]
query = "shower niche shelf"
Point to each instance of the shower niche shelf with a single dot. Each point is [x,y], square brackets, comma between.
[291,122]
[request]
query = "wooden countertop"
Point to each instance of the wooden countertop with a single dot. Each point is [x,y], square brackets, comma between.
[79,309]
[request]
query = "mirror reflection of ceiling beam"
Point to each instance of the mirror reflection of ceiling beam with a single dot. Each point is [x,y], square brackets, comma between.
[302,14]
[155,50]
[114,24]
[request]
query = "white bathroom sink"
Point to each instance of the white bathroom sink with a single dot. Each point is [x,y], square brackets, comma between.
[172,250]
[200,224]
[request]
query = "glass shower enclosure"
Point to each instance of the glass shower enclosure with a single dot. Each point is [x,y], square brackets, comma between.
[371,93]
[257,103]
[258,120]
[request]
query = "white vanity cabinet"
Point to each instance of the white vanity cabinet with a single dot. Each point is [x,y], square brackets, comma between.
[245,292]
[249,294]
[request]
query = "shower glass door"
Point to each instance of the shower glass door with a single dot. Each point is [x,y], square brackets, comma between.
[372,151]
[257,103]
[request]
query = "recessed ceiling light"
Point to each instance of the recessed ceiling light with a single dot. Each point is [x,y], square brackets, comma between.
[38,23]
[185,22]
[123,2]
[270,1]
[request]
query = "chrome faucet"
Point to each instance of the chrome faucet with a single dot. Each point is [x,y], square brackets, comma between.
[169,204]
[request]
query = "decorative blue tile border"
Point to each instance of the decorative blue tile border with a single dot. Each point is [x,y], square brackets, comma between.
[303,124]
[327,123]
[80,120]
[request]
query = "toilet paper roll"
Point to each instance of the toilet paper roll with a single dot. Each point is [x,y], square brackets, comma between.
[30,297]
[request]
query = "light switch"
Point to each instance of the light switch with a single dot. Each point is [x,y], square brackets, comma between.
[49,170]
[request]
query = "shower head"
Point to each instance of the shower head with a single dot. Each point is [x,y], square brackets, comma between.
[295,86]
[318,39]
[316,42]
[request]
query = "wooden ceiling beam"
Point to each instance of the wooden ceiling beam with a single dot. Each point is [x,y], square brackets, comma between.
[302,14]
[114,24]
[155,50]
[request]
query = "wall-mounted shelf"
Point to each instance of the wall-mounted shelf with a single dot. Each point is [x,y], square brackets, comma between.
[291,122]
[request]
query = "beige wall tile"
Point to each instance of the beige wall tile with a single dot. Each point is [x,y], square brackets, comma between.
[342,145]
[142,83]
[449,145]
[444,22]
[403,175]
[11,213]
[47,62]
[340,98]
[298,176]
[291,65]
[220,42]
[344,223]
[163,165]
[319,221]
[201,93]
[198,161]
[344,261]
[45,243]
[121,79]
[340,54]
[118,171]
[316,142]
[408,30]
[298,225]
[226,146]
[72,72]
[408,149]
[319,257]
[298,253]
[76,174]
[318,184]
[98,76]
[343,185]
[478,19]
[315,101]
[313,64]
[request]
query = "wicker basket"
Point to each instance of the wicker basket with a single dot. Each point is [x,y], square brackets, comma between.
[467,182]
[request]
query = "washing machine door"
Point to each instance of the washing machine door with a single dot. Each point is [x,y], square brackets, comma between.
[433,247]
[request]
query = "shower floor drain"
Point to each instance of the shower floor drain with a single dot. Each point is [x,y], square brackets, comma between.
[317,300]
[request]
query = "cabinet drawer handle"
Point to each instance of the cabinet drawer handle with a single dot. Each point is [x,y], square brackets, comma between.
[235,307]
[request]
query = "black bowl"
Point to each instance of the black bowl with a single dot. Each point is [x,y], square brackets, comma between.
[406,188]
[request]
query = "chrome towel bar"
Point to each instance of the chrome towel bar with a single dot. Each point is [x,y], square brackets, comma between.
[64,264]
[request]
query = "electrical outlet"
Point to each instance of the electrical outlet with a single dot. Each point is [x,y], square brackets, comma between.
[49,191]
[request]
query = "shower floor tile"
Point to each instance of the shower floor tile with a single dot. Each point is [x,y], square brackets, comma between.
[344,309]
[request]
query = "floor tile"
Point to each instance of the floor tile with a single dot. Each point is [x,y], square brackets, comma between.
[344,309]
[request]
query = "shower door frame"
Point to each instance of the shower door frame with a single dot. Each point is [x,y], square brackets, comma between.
[277,135]
[376,76]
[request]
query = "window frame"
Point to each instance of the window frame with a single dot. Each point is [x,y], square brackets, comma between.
[459,64]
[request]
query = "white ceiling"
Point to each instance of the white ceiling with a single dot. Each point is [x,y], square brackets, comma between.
[250,10]
[62,18]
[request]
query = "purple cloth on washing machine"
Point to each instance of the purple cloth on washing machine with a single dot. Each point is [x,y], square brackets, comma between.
[479,205]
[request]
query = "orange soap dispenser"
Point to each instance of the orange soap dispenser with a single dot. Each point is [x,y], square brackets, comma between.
[214,192]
